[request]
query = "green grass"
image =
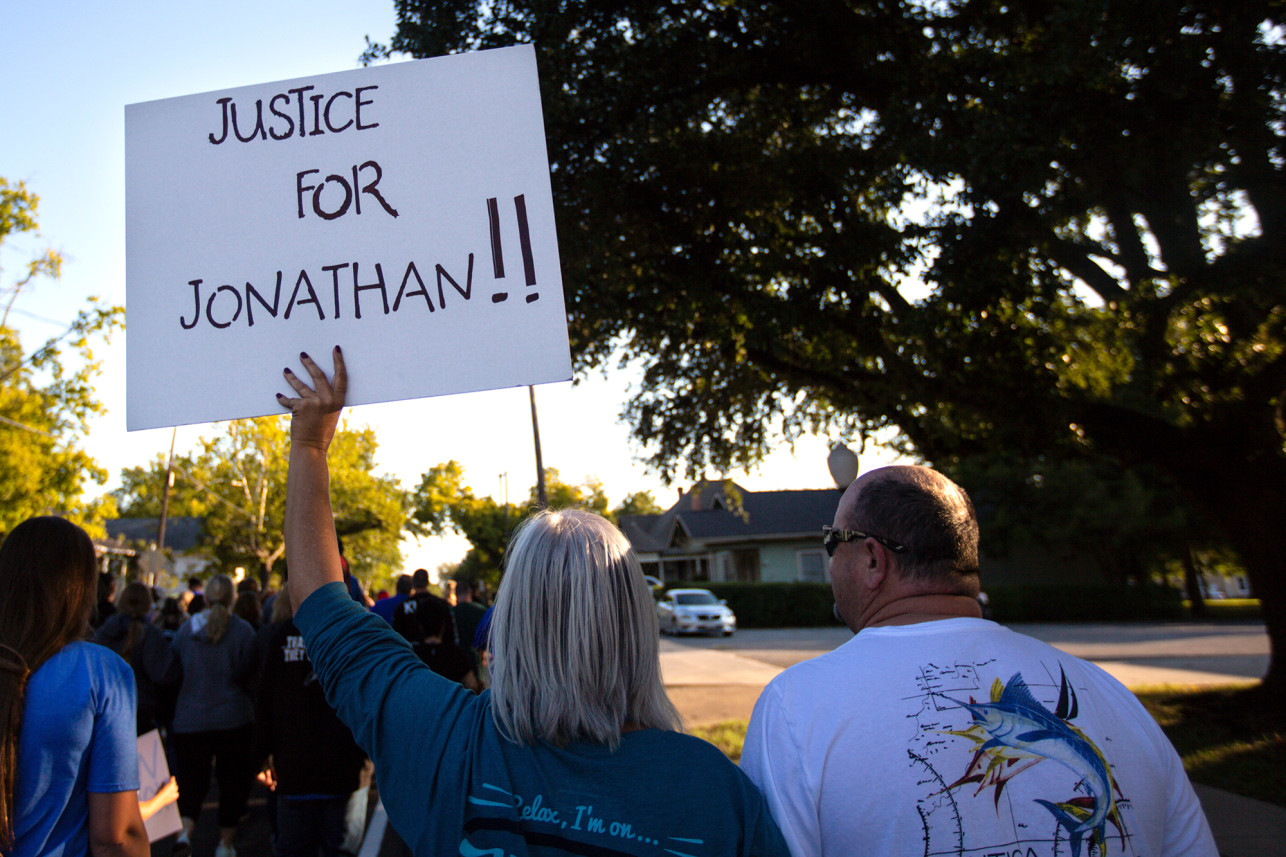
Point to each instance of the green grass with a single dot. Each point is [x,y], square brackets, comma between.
[728,736]
[1226,737]
[1230,608]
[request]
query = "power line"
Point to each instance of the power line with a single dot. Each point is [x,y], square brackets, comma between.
[36,317]
[26,427]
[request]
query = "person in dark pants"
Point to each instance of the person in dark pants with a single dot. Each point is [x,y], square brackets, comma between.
[309,758]
[214,715]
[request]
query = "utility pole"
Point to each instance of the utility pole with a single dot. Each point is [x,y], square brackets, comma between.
[165,501]
[541,497]
[504,490]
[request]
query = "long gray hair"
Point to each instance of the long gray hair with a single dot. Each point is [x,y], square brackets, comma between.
[574,636]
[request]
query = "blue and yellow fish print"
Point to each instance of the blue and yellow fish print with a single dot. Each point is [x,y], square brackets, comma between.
[1014,732]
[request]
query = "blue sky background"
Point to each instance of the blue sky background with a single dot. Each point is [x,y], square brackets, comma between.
[71,69]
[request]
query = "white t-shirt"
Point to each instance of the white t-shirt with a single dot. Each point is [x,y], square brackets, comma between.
[960,737]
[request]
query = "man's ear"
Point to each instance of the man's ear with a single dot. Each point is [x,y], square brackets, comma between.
[874,564]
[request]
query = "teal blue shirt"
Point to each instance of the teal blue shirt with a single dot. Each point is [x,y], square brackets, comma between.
[451,784]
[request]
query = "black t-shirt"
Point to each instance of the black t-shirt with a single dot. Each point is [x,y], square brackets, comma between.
[313,752]
[422,616]
[445,659]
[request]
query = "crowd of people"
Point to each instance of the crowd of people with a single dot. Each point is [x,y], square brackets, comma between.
[218,671]
[932,730]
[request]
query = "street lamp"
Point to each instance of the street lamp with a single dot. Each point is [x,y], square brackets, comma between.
[843,465]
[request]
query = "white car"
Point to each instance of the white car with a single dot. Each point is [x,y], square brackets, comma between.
[694,611]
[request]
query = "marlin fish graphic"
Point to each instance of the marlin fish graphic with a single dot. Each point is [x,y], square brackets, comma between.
[1014,727]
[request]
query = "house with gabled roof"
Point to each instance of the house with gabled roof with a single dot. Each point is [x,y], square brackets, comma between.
[719,531]
[182,537]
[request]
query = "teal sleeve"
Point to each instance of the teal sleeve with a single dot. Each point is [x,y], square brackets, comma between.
[416,726]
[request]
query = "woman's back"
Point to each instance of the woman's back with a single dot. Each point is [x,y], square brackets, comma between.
[78,721]
[451,781]
[213,693]
[152,659]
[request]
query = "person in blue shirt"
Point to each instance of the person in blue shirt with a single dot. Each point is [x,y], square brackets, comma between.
[68,754]
[575,749]
[386,607]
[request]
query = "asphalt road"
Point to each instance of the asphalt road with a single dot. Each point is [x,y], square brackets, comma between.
[1215,653]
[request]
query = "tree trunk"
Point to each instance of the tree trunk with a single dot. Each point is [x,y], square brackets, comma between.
[1248,498]
[1192,585]
[1260,540]
[1234,472]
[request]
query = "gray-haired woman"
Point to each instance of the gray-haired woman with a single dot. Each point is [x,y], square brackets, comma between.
[574,750]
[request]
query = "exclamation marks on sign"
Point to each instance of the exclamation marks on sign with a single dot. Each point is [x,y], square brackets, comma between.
[524,244]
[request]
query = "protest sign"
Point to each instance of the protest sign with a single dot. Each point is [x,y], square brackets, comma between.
[402,212]
[153,773]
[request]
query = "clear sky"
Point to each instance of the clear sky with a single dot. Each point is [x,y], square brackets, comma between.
[72,68]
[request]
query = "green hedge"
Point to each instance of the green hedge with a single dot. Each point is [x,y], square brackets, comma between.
[1084,603]
[774,605]
[807,605]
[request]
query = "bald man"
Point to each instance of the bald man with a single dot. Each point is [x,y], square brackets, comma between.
[934,731]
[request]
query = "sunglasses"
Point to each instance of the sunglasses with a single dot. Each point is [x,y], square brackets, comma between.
[832,537]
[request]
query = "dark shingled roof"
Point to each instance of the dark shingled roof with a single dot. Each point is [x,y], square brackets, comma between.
[181,534]
[710,513]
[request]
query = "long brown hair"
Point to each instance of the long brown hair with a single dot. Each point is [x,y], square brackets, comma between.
[219,593]
[135,602]
[47,591]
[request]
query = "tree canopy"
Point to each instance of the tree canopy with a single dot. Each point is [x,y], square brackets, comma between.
[444,503]
[46,394]
[236,482]
[1020,226]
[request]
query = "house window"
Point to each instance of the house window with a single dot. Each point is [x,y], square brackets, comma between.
[745,565]
[685,569]
[811,565]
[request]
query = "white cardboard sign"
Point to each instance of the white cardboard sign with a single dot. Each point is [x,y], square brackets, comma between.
[402,212]
[154,772]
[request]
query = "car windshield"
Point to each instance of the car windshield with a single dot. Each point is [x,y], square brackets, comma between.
[695,598]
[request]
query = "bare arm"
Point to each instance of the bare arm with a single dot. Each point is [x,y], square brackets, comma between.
[312,552]
[116,825]
[168,794]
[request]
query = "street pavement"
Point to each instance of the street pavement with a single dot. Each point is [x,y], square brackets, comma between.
[1137,654]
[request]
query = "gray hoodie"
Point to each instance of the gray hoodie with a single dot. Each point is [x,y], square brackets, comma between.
[214,694]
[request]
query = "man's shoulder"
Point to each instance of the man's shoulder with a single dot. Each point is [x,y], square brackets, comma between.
[896,640]
[879,661]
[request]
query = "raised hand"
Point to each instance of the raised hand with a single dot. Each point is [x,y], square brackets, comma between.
[315,409]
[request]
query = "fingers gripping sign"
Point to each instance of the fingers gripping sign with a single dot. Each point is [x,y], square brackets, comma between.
[315,408]
[311,548]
